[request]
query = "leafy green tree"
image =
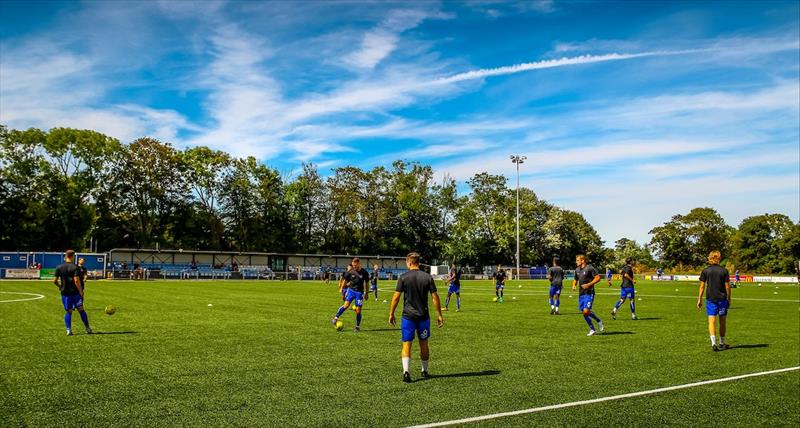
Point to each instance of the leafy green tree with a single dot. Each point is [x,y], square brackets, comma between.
[625,248]
[686,240]
[766,244]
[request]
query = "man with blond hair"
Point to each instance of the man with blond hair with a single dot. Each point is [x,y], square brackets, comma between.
[414,286]
[715,281]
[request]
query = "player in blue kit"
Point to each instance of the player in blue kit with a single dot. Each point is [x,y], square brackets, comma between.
[715,281]
[500,283]
[608,276]
[68,281]
[626,291]
[586,278]
[414,286]
[556,276]
[356,281]
[738,278]
[455,288]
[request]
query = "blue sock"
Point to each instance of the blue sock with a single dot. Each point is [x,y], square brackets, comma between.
[84,318]
[591,314]
[68,320]
[558,301]
[633,307]
[589,321]
[619,303]
[551,302]
[447,301]
[358,319]
[458,302]
[340,311]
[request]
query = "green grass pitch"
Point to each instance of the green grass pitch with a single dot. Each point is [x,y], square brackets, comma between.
[265,354]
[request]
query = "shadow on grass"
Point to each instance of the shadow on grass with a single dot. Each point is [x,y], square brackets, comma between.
[466,374]
[380,329]
[759,345]
[648,319]
[113,332]
[613,333]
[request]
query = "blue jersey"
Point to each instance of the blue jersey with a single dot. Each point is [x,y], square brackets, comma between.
[608,274]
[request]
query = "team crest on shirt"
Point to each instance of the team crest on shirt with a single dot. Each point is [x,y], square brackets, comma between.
[424,334]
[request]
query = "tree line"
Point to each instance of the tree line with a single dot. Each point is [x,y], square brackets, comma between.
[68,187]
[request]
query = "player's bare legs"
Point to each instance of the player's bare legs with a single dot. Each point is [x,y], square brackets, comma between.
[424,356]
[722,328]
[405,355]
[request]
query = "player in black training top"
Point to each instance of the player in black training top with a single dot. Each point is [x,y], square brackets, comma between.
[715,281]
[586,277]
[556,276]
[499,283]
[69,283]
[414,286]
[626,290]
[82,274]
[356,281]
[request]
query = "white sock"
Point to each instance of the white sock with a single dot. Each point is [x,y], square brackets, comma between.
[406,363]
[713,340]
[722,340]
[552,306]
[424,365]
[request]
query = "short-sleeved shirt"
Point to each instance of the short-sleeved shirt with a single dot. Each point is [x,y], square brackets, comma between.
[456,274]
[627,270]
[374,276]
[586,275]
[356,279]
[608,273]
[415,286]
[82,274]
[715,277]
[499,276]
[66,274]
[556,276]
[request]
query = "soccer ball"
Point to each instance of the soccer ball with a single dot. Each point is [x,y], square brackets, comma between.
[494,299]
[111,309]
[339,325]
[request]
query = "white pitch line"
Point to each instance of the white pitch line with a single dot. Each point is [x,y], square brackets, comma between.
[599,400]
[38,296]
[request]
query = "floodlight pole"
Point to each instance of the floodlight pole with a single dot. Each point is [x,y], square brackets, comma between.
[517,159]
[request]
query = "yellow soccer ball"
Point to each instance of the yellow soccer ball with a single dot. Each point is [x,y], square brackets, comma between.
[111,309]
[494,299]
[339,325]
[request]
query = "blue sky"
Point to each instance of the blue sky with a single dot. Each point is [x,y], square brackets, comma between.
[628,112]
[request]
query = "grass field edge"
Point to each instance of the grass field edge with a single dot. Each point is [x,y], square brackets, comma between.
[602,399]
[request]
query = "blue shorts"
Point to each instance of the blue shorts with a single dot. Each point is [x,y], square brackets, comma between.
[72,302]
[717,307]
[555,290]
[454,289]
[499,286]
[627,293]
[373,286]
[585,302]
[421,328]
[354,295]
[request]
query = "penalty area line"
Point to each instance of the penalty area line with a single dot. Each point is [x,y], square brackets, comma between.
[36,296]
[600,400]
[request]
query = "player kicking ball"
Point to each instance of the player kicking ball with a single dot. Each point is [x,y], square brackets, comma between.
[68,280]
[556,276]
[455,288]
[356,281]
[626,291]
[586,278]
[715,281]
[414,286]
